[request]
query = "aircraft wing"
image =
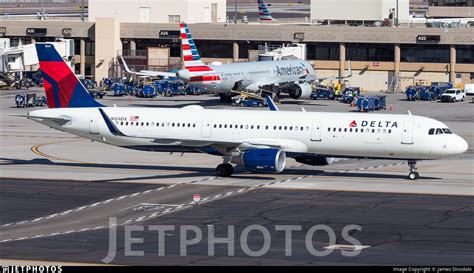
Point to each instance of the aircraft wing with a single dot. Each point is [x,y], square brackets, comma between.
[225,147]
[152,73]
[147,73]
[312,78]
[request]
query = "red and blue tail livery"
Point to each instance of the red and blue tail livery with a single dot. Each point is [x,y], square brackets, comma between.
[63,89]
[195,70]
[191,56]
[264,12]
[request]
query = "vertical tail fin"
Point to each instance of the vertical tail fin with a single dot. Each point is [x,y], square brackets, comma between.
[190,53]
[264,12]
[63,89]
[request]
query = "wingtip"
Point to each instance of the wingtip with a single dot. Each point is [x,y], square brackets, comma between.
[271,103]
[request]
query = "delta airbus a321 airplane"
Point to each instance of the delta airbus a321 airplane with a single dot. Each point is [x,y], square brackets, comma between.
[260,141]
[293,77]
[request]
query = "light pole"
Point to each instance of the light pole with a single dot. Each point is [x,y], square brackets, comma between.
[396,20]
[235,11]
[82,11]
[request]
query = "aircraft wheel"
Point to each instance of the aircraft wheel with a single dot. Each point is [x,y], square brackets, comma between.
[224,170]
[413,175]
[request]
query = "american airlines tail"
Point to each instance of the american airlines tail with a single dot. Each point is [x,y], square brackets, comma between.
[194,69]
[63,89]
[264,12]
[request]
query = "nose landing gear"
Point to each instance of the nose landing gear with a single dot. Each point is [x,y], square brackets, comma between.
[413,175]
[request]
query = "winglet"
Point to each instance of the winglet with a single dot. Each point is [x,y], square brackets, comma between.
[271,104]
[350,69]
[126,66]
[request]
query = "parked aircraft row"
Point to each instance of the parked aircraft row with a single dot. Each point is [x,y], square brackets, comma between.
[293,77]
[260,141]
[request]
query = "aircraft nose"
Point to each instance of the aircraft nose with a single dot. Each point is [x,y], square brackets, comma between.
[462,145]
[184,74]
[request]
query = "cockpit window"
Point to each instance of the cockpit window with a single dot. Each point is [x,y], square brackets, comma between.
[439,131]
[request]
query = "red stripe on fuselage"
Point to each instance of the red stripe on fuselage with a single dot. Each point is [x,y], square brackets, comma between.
[205,78]
[201,68]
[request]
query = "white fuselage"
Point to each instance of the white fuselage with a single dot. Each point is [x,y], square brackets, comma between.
[250,76]
[359,135]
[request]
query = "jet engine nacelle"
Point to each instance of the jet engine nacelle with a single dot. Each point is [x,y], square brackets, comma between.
[314,160]
[262,160]
[300,90]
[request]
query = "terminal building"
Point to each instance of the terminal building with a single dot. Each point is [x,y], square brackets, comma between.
[378,55]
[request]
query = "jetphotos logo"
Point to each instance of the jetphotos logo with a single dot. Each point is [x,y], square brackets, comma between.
[375,124]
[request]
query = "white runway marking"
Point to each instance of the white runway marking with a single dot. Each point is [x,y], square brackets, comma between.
[192,204]
[346,247]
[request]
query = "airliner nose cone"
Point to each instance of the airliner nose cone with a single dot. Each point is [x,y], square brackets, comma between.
[184,74]
[462,146]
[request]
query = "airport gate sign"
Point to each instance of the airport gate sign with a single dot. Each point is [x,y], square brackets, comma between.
[298,36]
[169,34]
[428,38]
[36,31]
[67,32]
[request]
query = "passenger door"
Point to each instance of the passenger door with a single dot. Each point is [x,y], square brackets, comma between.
[206,129]
[94,123]
[316,132]
[407,133]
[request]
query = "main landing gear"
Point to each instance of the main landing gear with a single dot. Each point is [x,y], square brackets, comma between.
[224,170]
[225,97]
[413,175]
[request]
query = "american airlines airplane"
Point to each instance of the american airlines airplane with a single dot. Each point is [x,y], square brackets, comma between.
[260,141]
[265,15]
[283,76]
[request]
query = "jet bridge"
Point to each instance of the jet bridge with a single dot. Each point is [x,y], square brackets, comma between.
[16,60]
[294,51]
